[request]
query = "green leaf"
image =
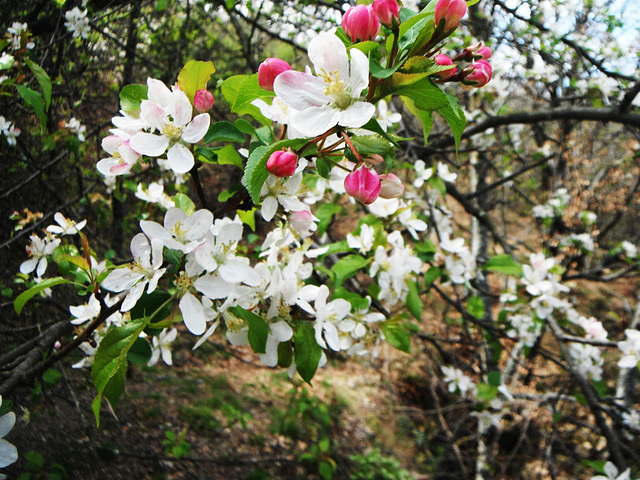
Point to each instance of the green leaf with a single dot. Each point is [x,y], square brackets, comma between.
[367,145]
[24,297]
[307,352]
[184,203]
[324,167]
[348,266]
[194,76]
[245,127]
[228,155]
[475,307]
[378,71]
[486,392]
[326,469]
[34,100]
[397,335]
[140,352]
[51,376]
[454,116]
[223,132]
[425,116]
[130,98]
[149,303]
[431,276]
[425,94]
[503,264]
[256,170]
[494,378]
[240,91]
[110,363]
[285,354]
[248,217]
[414,302]
[325,214]
[258,328]
[43,79]
[373,126]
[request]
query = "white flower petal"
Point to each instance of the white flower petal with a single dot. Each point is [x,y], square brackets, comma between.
[7,422]
[328,53]
[180,108]
[153,114]
[315,121]
[149,144]
[300,90]
[282,331]
[180,158]
[193,314]
[213,287]
[197,129]
[356,115]
[8,453]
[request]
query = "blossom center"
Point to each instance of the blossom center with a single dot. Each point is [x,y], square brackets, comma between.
[336,89]
[172,131]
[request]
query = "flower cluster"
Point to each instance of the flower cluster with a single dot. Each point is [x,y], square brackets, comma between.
[9,130]
[8,452]
[77,22]
[165,126]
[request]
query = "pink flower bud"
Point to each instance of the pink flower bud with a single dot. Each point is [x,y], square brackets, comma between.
[387,12]
[443,60]
[390,186]
[282,163]
[203,101]
[484,53]
[363,184]
[479,74]
[451,11]
[269,70]
[360,23]
[476,52]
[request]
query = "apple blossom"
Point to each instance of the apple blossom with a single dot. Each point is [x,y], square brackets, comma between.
[179,231]
[169,112]
[77,22]
[363,184]
[203,100]
[8,452]
[333,96]
[391,186]
[39,249]
[611,472]
[161,347]
[450,12]
[457,380]
[86,312]
[282,163]
[630,348]
[360,23]
[478,74]
[123,157]
[387,12]
[269,70]
[144,272]
[65,226]
[444,60]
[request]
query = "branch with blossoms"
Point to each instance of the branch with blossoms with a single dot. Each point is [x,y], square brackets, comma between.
[321,145]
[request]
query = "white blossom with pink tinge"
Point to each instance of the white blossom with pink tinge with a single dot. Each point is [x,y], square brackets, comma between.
[170,112]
